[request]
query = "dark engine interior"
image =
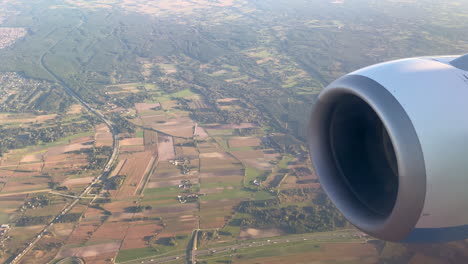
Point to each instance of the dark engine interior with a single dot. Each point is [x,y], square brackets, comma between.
[363,154]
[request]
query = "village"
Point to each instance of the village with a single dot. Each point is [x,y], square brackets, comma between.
[4,228]
[8,36]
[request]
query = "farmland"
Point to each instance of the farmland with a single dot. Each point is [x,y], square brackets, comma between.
[174,175]
[33,180]
[208,102]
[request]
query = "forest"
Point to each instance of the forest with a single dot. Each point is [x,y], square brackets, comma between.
[321,215]
[302,52]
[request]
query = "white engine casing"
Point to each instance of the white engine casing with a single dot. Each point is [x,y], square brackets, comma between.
[422,104]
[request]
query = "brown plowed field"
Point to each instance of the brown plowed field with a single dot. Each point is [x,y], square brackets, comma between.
[165,147]
[117,208]
[55,163]
[90,251]
[179,127]
[164,171]
[186,152]
[244,142]
[6,118]
[22,181]
[75,109]
[200,132]
[151,141]
[255,158]
[103,136]
[82,233]
[32,158]
[135,167]
[248,154]
[110,231]
[141,107]
[216,161]
[92,215]
[136,233]
[234,126]
[209,147]
[77,181]
[150,120]
[132,148]
[75,145]
[131,142]
[261,164]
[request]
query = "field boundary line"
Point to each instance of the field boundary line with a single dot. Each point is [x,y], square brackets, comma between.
[147,175]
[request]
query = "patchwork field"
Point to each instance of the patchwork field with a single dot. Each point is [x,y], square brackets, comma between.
[172,177]
[35,168]
[8,206]
[134,168]
[209,101]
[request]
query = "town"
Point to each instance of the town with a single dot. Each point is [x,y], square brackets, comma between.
[8,36]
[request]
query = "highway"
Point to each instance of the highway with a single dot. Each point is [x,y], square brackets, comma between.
[348,234]
[106,170]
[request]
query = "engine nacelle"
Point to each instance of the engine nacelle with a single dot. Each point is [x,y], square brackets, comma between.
[390,146]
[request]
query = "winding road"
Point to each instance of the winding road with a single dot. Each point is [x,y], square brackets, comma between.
[106,170]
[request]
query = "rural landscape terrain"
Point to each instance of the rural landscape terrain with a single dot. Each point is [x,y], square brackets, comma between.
[174,131]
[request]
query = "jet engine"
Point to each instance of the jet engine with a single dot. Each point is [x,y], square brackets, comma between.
[389,143]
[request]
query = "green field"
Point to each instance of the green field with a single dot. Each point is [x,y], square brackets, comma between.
[130,254]
[269,251]
[250,175]
[157,251]
[182,94]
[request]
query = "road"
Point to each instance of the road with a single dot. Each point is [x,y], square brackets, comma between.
[231,249]
[25,192]
[106,170]
[72,196]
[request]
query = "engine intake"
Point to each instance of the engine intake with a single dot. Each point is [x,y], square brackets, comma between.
[386,151]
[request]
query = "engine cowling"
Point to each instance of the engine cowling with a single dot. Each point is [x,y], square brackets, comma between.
[390,146]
